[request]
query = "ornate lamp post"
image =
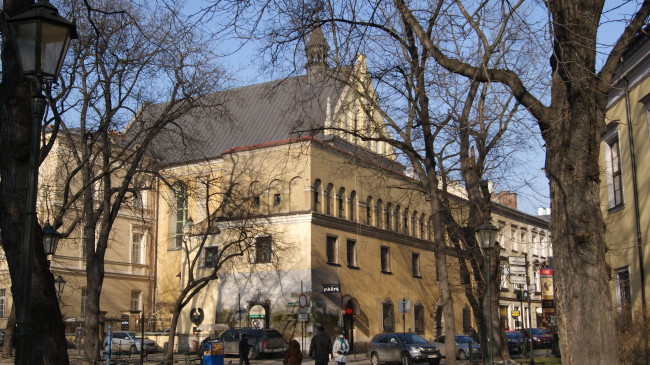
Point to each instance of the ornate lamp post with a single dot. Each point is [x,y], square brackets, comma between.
[41,39]
[59,284]
[50,239]
[486,234]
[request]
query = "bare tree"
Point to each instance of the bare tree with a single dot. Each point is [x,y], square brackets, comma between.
[124,49]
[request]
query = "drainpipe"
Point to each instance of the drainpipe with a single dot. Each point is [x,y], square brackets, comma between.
[635,192]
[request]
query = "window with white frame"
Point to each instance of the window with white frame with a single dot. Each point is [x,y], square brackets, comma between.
[137,247]
[523,242]
[513,239]
[613,167]
[623,295]
[181,196]
[84,301]
[136,300]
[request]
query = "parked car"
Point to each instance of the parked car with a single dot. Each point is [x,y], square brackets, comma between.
[515,342]
[266,341]
[540,338]
[466,347]
[405,348]
[123,341]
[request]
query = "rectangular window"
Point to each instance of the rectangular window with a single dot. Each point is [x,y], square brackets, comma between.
[277,199]
[352,253]
[263,250]
[523,245]
[415,265]
[332,249]
[385,259]
[84,301]
[136,296]
[210,256]
[3,302]
[623,296]
[613,167]
[137,240]
[418,317]
[256,201]
[513,239]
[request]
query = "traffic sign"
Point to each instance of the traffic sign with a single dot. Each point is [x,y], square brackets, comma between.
[518,270]
[517,279]
[302,300]
[303,317]
[515,313]
[404,305]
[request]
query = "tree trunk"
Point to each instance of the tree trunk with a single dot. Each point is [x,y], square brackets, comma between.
[587,332]
[169,355]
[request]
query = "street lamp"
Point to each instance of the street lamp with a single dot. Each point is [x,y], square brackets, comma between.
[486,234]
[59,284]
[50,239]
[41,39]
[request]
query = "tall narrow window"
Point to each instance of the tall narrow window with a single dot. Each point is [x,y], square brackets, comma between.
[385,259]
[388,214]
[613,166]
[340,198]
[316,198]
[352,202]
[3,302]
[180,191]
[624,296]
[379,214]
[263,250]
[369,210]
[513,239]
[415,265]
[328,199]
[352,253]
[84,301]
[388,316]
[137,241]
[418,317]
[332,249]
[136,299]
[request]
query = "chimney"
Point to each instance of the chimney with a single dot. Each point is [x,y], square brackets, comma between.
[507,198]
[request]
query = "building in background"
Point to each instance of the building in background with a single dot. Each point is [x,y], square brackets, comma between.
[625,153]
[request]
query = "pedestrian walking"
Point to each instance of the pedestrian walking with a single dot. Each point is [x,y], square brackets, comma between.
[293,356]
[320,346]
[340,349]
[243,350]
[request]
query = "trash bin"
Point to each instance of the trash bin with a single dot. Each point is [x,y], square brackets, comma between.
[212,353]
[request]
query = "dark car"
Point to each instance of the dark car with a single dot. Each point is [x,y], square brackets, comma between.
[466,347]
[540,338]
[405,348]
[264,341]
[515,342]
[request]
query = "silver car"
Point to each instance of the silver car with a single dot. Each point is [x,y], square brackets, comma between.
[465,347]
[405,348]
[122,341]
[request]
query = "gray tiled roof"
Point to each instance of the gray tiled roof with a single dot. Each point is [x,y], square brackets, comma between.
[250,115]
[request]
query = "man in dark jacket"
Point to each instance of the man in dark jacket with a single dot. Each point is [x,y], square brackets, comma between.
[243,350]
[320,347]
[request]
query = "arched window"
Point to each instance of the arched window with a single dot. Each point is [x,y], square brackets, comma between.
[180,195]
[352,202]
[316,199]
[328,199]
[405,224]
[255,192]
[388,214]
[379,212]
[396,217]
[340,205]
[369,209]
[422,226]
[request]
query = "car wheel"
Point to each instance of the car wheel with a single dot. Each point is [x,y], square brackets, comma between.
[134,350]
[252,353]
[406,360]
[462,355]
[374,359]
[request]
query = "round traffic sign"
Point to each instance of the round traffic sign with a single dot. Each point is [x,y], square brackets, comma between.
[302,300]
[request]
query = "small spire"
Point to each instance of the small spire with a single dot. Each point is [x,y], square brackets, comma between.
[316,50]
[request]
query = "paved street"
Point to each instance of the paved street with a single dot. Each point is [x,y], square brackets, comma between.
[76,358]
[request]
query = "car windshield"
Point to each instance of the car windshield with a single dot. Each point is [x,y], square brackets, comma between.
[535,331]
[514,335]
[464,339]
[273,333]
[411,338]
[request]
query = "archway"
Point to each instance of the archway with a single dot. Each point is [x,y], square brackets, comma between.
[350,311]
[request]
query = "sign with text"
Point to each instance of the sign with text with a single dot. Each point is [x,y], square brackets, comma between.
[404,305]
[331,288]
[517,261]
